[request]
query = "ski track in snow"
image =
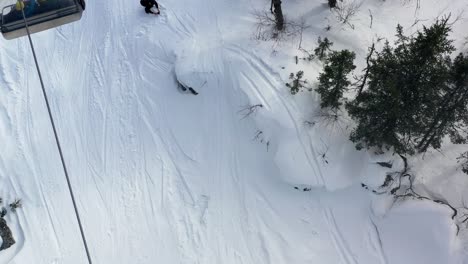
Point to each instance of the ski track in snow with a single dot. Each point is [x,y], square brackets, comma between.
[376,241]
[338,240]
[260,67]
[157,174]
[102,104]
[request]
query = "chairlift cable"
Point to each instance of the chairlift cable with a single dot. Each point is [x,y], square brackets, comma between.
[55,135]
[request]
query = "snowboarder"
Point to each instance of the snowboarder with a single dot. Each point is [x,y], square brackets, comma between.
[149,4]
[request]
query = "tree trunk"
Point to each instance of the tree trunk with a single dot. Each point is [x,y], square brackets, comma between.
[278,14]
[366,74]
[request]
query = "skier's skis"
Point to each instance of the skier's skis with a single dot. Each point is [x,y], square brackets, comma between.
[192,91]
[187,89]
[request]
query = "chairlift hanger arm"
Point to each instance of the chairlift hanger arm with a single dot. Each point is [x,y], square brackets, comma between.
[40,16]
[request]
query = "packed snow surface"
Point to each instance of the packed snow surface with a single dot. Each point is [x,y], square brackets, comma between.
[163,176]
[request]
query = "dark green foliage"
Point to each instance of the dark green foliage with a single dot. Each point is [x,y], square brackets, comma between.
[450,110]
[333,80]
[297,82]
[5,232]
[332,3]
[323,48]
[6,235]
[416,95]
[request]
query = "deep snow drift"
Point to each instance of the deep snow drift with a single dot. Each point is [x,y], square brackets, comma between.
[166,177]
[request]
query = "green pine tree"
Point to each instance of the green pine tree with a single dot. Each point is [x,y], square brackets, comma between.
[297,83]
[415,94]
[333,80]
[323,48]
[450,113]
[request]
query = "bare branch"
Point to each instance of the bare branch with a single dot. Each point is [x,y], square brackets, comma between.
[366,70]
[266,29]
[258,136]
[249,110]
[346,10]
[323,153]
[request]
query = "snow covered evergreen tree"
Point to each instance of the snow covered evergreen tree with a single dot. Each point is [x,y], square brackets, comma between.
[416,95]
[333,80]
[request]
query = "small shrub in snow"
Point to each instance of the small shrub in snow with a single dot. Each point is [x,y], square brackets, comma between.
[309,56]
[323,153]
[15,205]
[333,81]
[249,110]
[463,160]
[260,137]
[346,10]
[323,48]
[266,29]
[297,83]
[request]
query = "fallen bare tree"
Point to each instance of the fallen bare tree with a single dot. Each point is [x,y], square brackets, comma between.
[400,184]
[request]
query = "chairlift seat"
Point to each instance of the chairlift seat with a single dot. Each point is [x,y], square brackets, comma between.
[40,16]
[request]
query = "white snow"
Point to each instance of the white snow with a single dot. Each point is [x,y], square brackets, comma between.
[162,176]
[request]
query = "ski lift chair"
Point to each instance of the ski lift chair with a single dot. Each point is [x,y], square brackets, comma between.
[40,15]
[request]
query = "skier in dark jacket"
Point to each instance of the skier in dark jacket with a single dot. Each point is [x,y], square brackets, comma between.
[148,4]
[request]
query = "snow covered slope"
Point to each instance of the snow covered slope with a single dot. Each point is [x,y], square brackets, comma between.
[166,177]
